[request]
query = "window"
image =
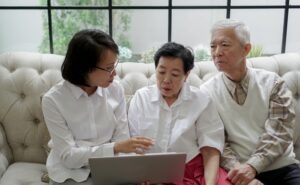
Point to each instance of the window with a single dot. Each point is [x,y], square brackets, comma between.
[21,30]
[264,31]
[198,3]
[196,23]
[141,26]
[147,29]
[293,39]
[257,2]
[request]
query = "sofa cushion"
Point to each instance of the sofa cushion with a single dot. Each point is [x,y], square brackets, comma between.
[292,79]
[21,173]
[24,77]
[5,152]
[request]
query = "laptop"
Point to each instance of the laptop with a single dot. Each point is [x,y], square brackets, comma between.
[133,169]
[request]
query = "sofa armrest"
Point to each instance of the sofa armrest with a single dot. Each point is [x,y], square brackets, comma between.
[5,152]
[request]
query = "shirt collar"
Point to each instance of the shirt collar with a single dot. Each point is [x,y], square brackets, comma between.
[185,94]
[99,91]
[155,96]
[230,85]
[78,92]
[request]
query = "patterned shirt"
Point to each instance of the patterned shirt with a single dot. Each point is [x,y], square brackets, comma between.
[281,115]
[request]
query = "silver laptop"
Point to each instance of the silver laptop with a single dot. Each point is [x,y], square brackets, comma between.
[133,169]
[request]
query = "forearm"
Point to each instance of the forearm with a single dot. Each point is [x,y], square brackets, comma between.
[77,156]
[268,150]
[211,160]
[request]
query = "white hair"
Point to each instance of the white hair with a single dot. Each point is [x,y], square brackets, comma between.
[241,30]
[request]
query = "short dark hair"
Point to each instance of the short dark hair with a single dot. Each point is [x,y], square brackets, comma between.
[84,53]
[173,49]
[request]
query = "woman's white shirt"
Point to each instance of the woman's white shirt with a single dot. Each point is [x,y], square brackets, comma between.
[82,127]
[189,124]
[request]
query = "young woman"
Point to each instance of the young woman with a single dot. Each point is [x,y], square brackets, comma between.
[85,113]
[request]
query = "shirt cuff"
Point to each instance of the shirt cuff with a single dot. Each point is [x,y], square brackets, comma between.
[108,150]
[257,163]
[228,164]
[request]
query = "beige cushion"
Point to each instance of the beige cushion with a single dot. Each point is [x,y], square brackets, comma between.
[21,173]
[5,152]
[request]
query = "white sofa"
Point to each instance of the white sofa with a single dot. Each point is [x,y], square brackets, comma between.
[25,77]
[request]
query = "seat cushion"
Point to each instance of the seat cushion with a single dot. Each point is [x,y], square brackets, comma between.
[21,173]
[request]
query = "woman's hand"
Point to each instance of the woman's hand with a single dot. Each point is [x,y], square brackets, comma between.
[135,144]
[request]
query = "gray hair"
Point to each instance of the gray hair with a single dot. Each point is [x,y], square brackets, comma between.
[241,30]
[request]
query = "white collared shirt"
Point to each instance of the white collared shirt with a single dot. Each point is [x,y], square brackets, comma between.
[189,124]
[82,127]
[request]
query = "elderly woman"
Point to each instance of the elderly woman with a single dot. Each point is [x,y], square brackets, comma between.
[180,118]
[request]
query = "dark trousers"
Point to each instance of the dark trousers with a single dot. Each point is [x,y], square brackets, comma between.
[288,175]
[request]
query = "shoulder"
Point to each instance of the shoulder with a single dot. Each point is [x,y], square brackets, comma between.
[146,91]
[56,90]
[197,96]
[115,89]
[143,96]
[263,73]
[54,95]
[211,84]
[265,77]
[196,92]
[115,85]
[213,81]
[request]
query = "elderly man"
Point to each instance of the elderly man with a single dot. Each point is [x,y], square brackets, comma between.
[256,109]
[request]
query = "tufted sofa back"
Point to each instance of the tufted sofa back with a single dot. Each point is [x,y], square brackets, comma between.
[25,77]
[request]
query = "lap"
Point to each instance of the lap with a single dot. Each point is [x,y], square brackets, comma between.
[194,173]
[288,175]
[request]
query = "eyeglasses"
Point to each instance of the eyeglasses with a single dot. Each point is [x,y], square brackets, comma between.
[110,70]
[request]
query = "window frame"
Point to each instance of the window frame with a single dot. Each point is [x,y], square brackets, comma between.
[110,7]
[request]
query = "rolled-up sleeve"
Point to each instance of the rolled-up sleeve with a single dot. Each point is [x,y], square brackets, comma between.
[210,128]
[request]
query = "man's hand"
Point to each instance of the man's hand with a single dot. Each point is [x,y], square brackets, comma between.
[242,174]
[148,183]
[145,183]
[135,144]
[255,182]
